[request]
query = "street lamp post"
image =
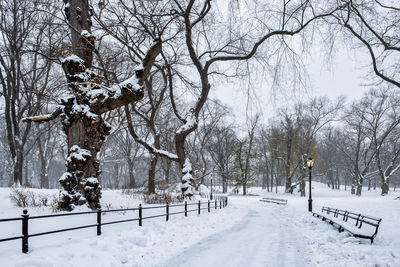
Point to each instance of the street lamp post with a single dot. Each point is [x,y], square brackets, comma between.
[310,164]
[211,196]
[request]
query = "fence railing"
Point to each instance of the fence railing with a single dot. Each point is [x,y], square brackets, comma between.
[222,202]
[215,195]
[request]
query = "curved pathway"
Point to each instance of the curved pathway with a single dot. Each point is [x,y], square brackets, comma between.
[265,237]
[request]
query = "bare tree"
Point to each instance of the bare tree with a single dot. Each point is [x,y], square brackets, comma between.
[222,151]
[374,24]
[46,143]
[245,155]
[148,112]
[383,124]
[316,114]
[24,74]
[356,146]
[82,110]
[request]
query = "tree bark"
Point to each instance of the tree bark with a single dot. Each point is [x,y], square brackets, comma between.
[152,174]
[385,187]
[18,168]
[44,178]
[353,184]
[303,182]
[337,181]
[132,181]
[360,182]
[224,182]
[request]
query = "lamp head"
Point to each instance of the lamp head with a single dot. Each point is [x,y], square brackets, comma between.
[310,163]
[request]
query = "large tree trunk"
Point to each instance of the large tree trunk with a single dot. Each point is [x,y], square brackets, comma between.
[263,181]
[44,177]
[303,183]
[385,187]
[272,176]
[26,180]
[353,184]
[359,185]
[224,182]
[303,187]
[132,181]
[18,168]
[337,181]
[152,174]
[85,138]
[288,183]
[180,149]
[153,166]
[82,121]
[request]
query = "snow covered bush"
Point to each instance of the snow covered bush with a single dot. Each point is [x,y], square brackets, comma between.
[162,197]
[187,180]
[21,197]
[164,193]
[132,191]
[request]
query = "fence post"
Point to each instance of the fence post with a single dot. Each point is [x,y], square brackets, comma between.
[140,214]
[199,206]
[208,205]
[358,218]
[215,205]
[99,222]
[185,208]
[167,215]
[25,219]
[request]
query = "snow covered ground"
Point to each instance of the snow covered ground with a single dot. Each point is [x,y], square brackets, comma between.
[246,233]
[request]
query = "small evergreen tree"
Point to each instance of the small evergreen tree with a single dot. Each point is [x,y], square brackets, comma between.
[187,179]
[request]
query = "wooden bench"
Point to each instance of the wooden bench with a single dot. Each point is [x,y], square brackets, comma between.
[340,220]
[279,201]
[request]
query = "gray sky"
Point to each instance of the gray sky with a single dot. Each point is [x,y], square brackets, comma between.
[343,75]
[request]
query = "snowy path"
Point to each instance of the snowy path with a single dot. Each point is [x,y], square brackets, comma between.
[246,233]
[265,237]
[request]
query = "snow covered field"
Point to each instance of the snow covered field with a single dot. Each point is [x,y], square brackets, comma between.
[246,233]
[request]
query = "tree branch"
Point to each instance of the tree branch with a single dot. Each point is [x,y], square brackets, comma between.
[44,118]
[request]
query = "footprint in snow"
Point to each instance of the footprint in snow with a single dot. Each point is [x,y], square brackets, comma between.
[121,258]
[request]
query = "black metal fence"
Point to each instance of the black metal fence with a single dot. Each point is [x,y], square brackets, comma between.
[25,218]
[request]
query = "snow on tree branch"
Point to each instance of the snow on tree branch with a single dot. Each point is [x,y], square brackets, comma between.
[44,118]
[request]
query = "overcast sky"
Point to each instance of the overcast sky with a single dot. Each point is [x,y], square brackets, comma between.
[344,75]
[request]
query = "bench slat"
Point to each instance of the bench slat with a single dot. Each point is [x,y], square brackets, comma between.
[277,199]
[273,201]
